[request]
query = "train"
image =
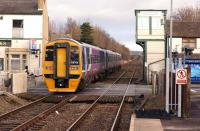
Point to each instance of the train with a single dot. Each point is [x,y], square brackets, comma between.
[70,65]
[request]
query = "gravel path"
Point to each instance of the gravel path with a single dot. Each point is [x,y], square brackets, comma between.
[7,104]
[63,118]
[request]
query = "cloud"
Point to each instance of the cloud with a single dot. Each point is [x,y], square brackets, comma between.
[115,16]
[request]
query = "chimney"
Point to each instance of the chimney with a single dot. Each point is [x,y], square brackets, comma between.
[40,4]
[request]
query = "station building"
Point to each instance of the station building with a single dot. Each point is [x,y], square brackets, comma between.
[186,35]
[24,31]
[152,34]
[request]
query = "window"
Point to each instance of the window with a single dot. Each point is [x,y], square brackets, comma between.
[74,55]
[189,42]
[16,62]
[17,23]
[49,55]
[24,61]
[1,64]
[88,56]
[143,22]
[18,30]
[156,23]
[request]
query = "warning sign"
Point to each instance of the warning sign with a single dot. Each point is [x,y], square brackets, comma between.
[181,76]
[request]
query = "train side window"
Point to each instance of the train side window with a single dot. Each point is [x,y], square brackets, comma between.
[83,56]
[49,55]
[88,55]
[92,59]
[74,55]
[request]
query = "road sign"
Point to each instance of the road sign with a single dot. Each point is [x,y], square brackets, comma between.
[181,76]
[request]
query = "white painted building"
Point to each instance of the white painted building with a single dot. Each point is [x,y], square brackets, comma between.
[185,34]
[150,34]
[23,32]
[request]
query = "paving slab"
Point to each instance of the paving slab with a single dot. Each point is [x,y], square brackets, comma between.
[142,124]
[187,124]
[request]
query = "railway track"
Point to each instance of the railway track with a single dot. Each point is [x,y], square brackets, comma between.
[80,123]
[21,118]
[35,116]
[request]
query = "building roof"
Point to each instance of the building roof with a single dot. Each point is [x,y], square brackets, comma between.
[184,29]
[19,7]
[193,56]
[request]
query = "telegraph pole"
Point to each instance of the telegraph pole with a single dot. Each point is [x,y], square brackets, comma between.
[169,58]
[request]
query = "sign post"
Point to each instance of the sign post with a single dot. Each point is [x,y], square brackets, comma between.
[181,79]
[181,76]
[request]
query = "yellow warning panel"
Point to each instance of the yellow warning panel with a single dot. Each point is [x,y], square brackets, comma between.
[61,62]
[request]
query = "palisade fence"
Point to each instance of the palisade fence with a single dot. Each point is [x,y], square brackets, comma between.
[158,82]
[156,76]
[35,81]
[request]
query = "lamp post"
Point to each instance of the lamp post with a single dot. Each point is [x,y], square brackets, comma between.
[169,59]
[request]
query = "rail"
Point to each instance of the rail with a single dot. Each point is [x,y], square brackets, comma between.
[22,107]
[94,103]
[28,123]
[121,104]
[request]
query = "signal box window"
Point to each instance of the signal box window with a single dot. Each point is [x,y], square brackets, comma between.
[74,55]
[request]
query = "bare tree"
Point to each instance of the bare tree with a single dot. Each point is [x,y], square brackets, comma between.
[56,30]
[101,38]
[188,14]
[72,29]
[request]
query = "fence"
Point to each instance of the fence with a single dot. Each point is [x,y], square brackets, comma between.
[35,82]
[158,82]
[4,82]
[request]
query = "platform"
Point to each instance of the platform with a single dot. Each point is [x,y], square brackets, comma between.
[187,124]
[141,124]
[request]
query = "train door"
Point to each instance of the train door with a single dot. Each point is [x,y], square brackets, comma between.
[106,55]
[85,63]
[88,56]
[61,65]
[83,59]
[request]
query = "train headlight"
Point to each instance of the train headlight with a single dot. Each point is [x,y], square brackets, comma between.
[49,68]
[74,68]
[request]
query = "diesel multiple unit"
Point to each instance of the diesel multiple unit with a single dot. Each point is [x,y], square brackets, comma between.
[70,65]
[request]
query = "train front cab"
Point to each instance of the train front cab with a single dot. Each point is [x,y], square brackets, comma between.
[62,66]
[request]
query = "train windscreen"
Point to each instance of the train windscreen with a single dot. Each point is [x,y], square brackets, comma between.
[74,52]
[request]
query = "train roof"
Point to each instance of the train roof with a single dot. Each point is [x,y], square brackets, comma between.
[88,45]
[70,39]
[92,46]
[112,52]
[96,47]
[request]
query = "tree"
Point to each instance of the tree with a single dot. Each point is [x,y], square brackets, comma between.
[56,30]
[86,33]
[72,29]
[187,14]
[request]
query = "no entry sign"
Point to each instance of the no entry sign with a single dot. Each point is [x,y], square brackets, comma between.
[181,76]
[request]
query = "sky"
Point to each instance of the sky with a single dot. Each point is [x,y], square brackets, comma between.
[115,16]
